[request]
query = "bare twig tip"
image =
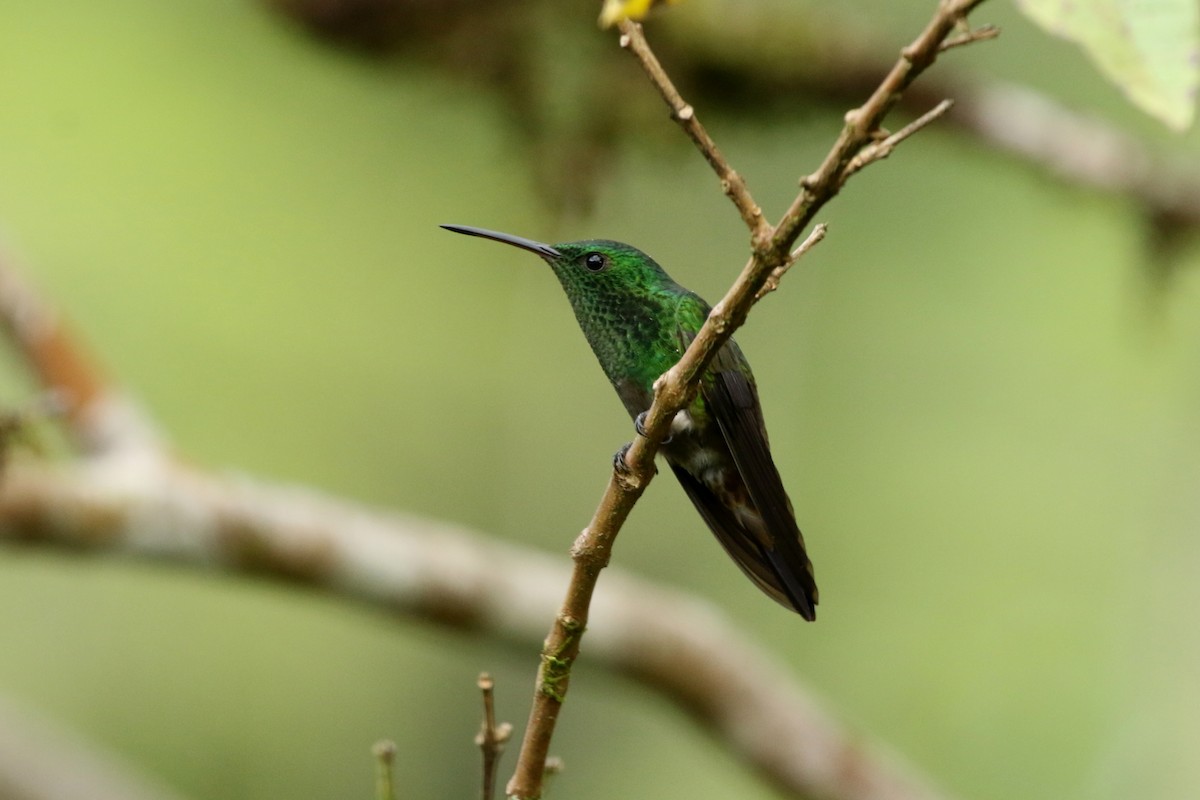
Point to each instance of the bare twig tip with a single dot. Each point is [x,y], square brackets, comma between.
[491,737]
[968,36]
[881,149]
[385,753]
[776,275]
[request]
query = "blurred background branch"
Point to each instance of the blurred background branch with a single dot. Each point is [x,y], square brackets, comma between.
[686,650]
[40,760]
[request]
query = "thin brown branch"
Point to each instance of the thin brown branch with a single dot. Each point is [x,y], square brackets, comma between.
[682,112]
[980,34]
[877,151]
[863,122]
[688,651]
[491,737]
[1083,151]
[676,388]
[772,282]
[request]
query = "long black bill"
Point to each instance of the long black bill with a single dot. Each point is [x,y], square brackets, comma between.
[543,250]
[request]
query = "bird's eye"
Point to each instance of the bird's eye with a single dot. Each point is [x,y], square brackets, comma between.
[594,262]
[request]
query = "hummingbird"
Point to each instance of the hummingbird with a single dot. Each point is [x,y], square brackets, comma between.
[638,322]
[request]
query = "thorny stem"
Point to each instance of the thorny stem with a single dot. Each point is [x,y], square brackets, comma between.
[674,389]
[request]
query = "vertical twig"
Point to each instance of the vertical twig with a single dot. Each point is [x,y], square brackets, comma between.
[491,737]
[385,754]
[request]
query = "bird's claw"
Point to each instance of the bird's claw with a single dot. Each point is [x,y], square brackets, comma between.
[619,462]
[639,425]
[621,465]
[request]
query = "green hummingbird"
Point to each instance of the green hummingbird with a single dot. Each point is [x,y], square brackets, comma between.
[638,322]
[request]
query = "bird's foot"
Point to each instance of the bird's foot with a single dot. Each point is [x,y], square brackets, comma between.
[621,465]
[619,462]
[639,425]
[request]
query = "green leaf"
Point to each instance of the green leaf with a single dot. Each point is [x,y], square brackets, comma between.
[1149,48]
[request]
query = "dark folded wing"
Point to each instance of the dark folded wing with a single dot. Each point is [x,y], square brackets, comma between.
[731,400]
[770,552]
[745,551]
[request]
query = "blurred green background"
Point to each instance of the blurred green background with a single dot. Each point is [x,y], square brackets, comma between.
[985,405]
